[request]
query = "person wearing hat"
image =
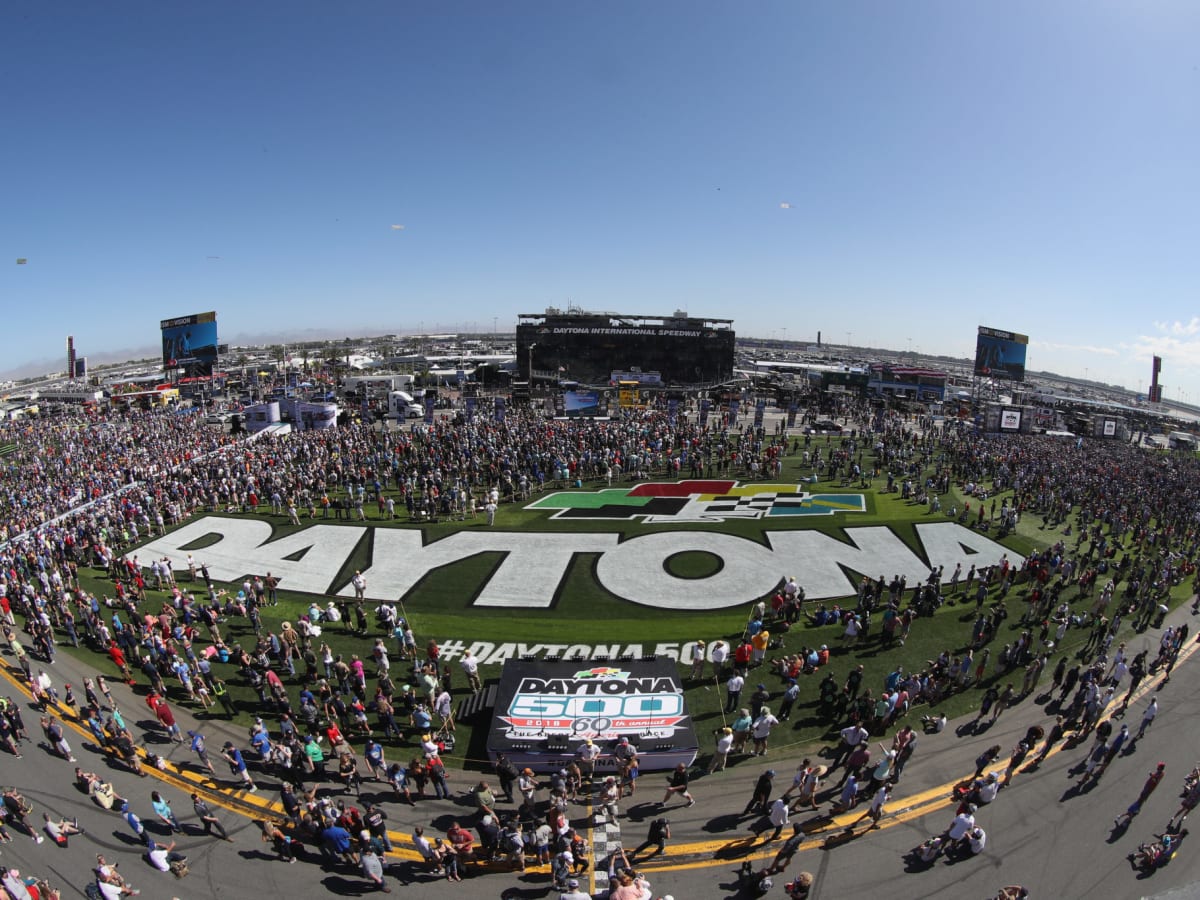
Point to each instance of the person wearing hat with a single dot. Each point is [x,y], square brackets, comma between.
[760,730]
[586,755]
[809,787]
[527,785]
[698,649]
[573,892]
[721,753]
[560,869]
[201,751]
[718,653]
[762,793]
[579,848]
[986,789]
[759,699]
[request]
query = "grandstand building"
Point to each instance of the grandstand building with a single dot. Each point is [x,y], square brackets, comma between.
[596,348]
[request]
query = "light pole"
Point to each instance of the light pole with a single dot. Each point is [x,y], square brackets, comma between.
[531,346]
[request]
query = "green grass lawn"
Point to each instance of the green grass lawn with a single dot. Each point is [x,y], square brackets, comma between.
[440,608]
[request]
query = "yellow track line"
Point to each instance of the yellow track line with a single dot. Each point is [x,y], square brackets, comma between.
[915,806]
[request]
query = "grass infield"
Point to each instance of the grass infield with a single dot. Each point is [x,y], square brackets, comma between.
[439,607]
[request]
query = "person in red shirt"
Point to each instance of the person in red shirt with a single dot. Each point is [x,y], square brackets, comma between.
[1147,789]
[167,719]
[118,657]
[742,655]
[463,841]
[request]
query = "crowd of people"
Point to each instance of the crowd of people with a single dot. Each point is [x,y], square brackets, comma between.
[85,490]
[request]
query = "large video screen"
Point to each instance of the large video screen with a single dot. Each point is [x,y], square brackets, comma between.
[581,404]
[190,343]
[590,354]
[1000,354]
[1010,420]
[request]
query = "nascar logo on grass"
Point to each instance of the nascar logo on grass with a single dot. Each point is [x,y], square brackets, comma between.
[692,500]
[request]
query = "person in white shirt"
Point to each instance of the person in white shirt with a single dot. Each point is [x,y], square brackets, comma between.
[424,847]
[718,653]
[585,757]
[721,754]
[573,892]
[733,691]
[761,730]
[962,824]
[161,856]
[61,829]
[470,667]
[987,789]
[698,660]
[778,816]
[977,838]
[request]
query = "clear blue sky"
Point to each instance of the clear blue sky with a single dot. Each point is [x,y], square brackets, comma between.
[1026,165]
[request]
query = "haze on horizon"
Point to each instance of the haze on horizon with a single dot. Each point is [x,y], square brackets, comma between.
[889,175]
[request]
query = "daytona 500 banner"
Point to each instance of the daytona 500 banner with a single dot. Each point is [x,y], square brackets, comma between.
[545,709]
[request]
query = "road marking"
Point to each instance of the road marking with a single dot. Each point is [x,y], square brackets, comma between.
[915,806]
